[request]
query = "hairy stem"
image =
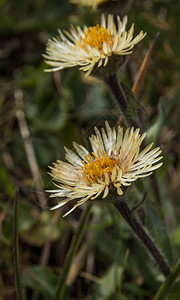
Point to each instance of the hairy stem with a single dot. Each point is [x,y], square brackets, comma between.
[143,236]
[120,92]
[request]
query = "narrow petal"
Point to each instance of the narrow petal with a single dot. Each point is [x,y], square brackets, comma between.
[58,205]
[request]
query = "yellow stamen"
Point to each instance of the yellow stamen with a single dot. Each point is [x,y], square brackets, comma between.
[96,169]
[95,37]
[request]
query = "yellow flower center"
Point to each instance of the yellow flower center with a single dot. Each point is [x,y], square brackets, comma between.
[93,170]
[95,37]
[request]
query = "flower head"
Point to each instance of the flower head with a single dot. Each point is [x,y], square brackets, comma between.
[91,47]
[93,3]
[114,163]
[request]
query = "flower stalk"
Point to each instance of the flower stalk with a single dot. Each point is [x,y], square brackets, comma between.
[122,99]
[144,237]
[131,118]
[118,92]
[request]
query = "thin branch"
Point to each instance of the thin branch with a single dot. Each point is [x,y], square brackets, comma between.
[143,69]
[139,204]
[77,264]
[29,147]
[16,251]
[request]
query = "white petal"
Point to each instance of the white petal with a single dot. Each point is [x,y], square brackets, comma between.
[81,150]
[72,157]
[69,211]
[58,205]
[105,192]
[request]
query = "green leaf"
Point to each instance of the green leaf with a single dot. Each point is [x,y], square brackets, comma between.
[38,235]
[157,230]
[107,245]
[149,272]
[26,217]
[167,284]
[40,278]
[109,282]
[175,291]
[154,131]
[175,237]
[6,184]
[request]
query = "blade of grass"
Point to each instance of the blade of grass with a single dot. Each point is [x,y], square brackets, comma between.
[122,272]
[28,145]
[59,295]
[77,263]
[16,251]
[142,72]
[167,284]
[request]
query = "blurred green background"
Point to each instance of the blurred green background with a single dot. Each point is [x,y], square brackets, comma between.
[40,113]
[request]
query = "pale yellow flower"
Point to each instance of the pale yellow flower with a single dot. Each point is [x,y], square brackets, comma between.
[91,47]
[114,163]
[93,3]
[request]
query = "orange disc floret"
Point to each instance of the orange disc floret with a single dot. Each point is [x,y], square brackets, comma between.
[95,169]
[95,37]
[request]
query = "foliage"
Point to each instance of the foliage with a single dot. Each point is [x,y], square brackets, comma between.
[56,109]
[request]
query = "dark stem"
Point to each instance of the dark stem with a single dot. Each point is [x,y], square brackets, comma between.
[120,90]
[143,236]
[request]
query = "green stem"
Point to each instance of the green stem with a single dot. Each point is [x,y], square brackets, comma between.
[143,236]
[167,284]
[16,251]
[59,295]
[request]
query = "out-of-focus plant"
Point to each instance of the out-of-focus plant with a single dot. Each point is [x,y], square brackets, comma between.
[41,113]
